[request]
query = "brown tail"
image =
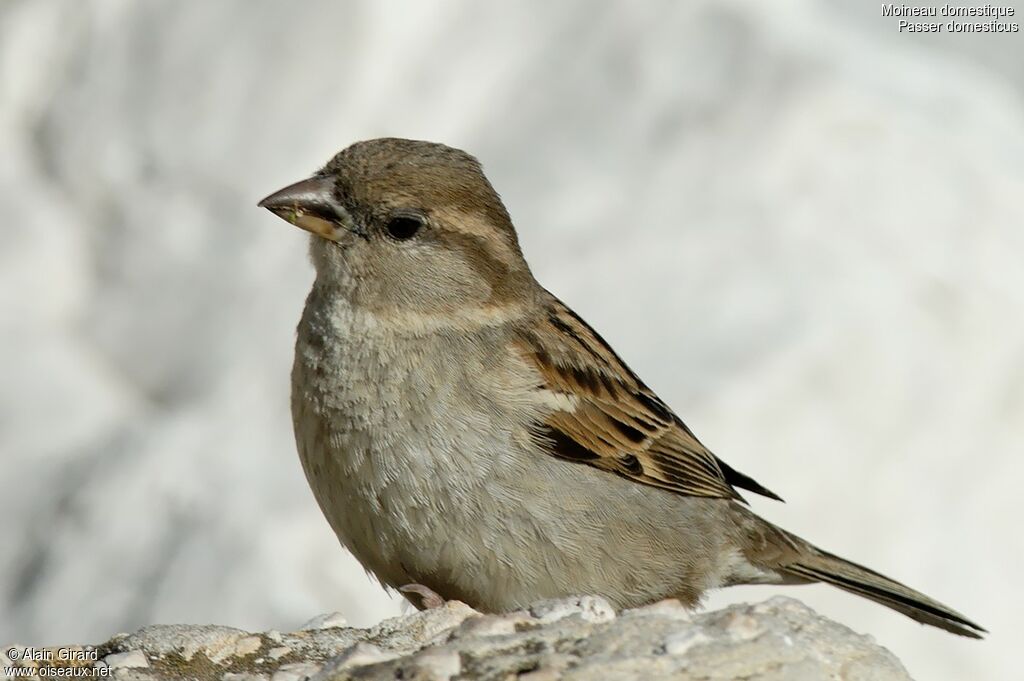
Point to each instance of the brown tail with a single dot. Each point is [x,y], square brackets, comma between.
[820,566]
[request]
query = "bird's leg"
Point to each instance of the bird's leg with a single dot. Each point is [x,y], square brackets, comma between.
[429,599]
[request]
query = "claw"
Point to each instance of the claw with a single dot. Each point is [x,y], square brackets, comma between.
[429,600]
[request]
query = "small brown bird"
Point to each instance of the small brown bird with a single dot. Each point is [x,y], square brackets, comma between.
[463,430]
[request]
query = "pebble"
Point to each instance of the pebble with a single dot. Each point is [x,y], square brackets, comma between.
[328,620]
[438,665]
[296,671]
[591,608]
[680,642]
[133,659]
[670,607]
[357,655]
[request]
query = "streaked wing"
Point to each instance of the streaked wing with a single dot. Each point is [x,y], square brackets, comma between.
[607,417]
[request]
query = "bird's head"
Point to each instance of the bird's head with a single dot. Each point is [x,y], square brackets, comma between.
[409,227]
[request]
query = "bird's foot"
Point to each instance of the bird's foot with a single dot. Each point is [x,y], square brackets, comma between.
[429,599]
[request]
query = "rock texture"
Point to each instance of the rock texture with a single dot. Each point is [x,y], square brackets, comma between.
[578,639]
[800,227]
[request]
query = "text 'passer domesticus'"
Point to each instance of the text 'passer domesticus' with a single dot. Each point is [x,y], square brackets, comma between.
[465,431]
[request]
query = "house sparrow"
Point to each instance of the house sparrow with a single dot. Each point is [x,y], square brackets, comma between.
[465,431]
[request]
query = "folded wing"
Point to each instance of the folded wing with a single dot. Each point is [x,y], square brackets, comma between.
[607,417]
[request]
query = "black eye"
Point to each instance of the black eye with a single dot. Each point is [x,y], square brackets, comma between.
[402,227]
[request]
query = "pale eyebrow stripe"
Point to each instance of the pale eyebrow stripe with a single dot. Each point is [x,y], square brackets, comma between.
[473,225]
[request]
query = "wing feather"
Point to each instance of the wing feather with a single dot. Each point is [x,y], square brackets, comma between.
[613,421]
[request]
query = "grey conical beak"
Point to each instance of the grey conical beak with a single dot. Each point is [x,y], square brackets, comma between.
[311,205]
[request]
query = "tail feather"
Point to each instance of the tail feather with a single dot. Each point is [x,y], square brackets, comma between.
[820,566]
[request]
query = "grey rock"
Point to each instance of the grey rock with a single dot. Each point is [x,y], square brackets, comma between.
[328,620]
[588,608]
[576,638]
[295,671]
[820,215]
[246,676]
[359,655]
[133,659]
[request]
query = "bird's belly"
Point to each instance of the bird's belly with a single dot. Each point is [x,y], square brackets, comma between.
[429,474]
[437,511]
[475,517]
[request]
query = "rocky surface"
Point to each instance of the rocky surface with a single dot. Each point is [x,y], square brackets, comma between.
[799,226]
[580,639]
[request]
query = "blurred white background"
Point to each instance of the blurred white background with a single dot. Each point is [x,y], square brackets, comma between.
[824,219]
